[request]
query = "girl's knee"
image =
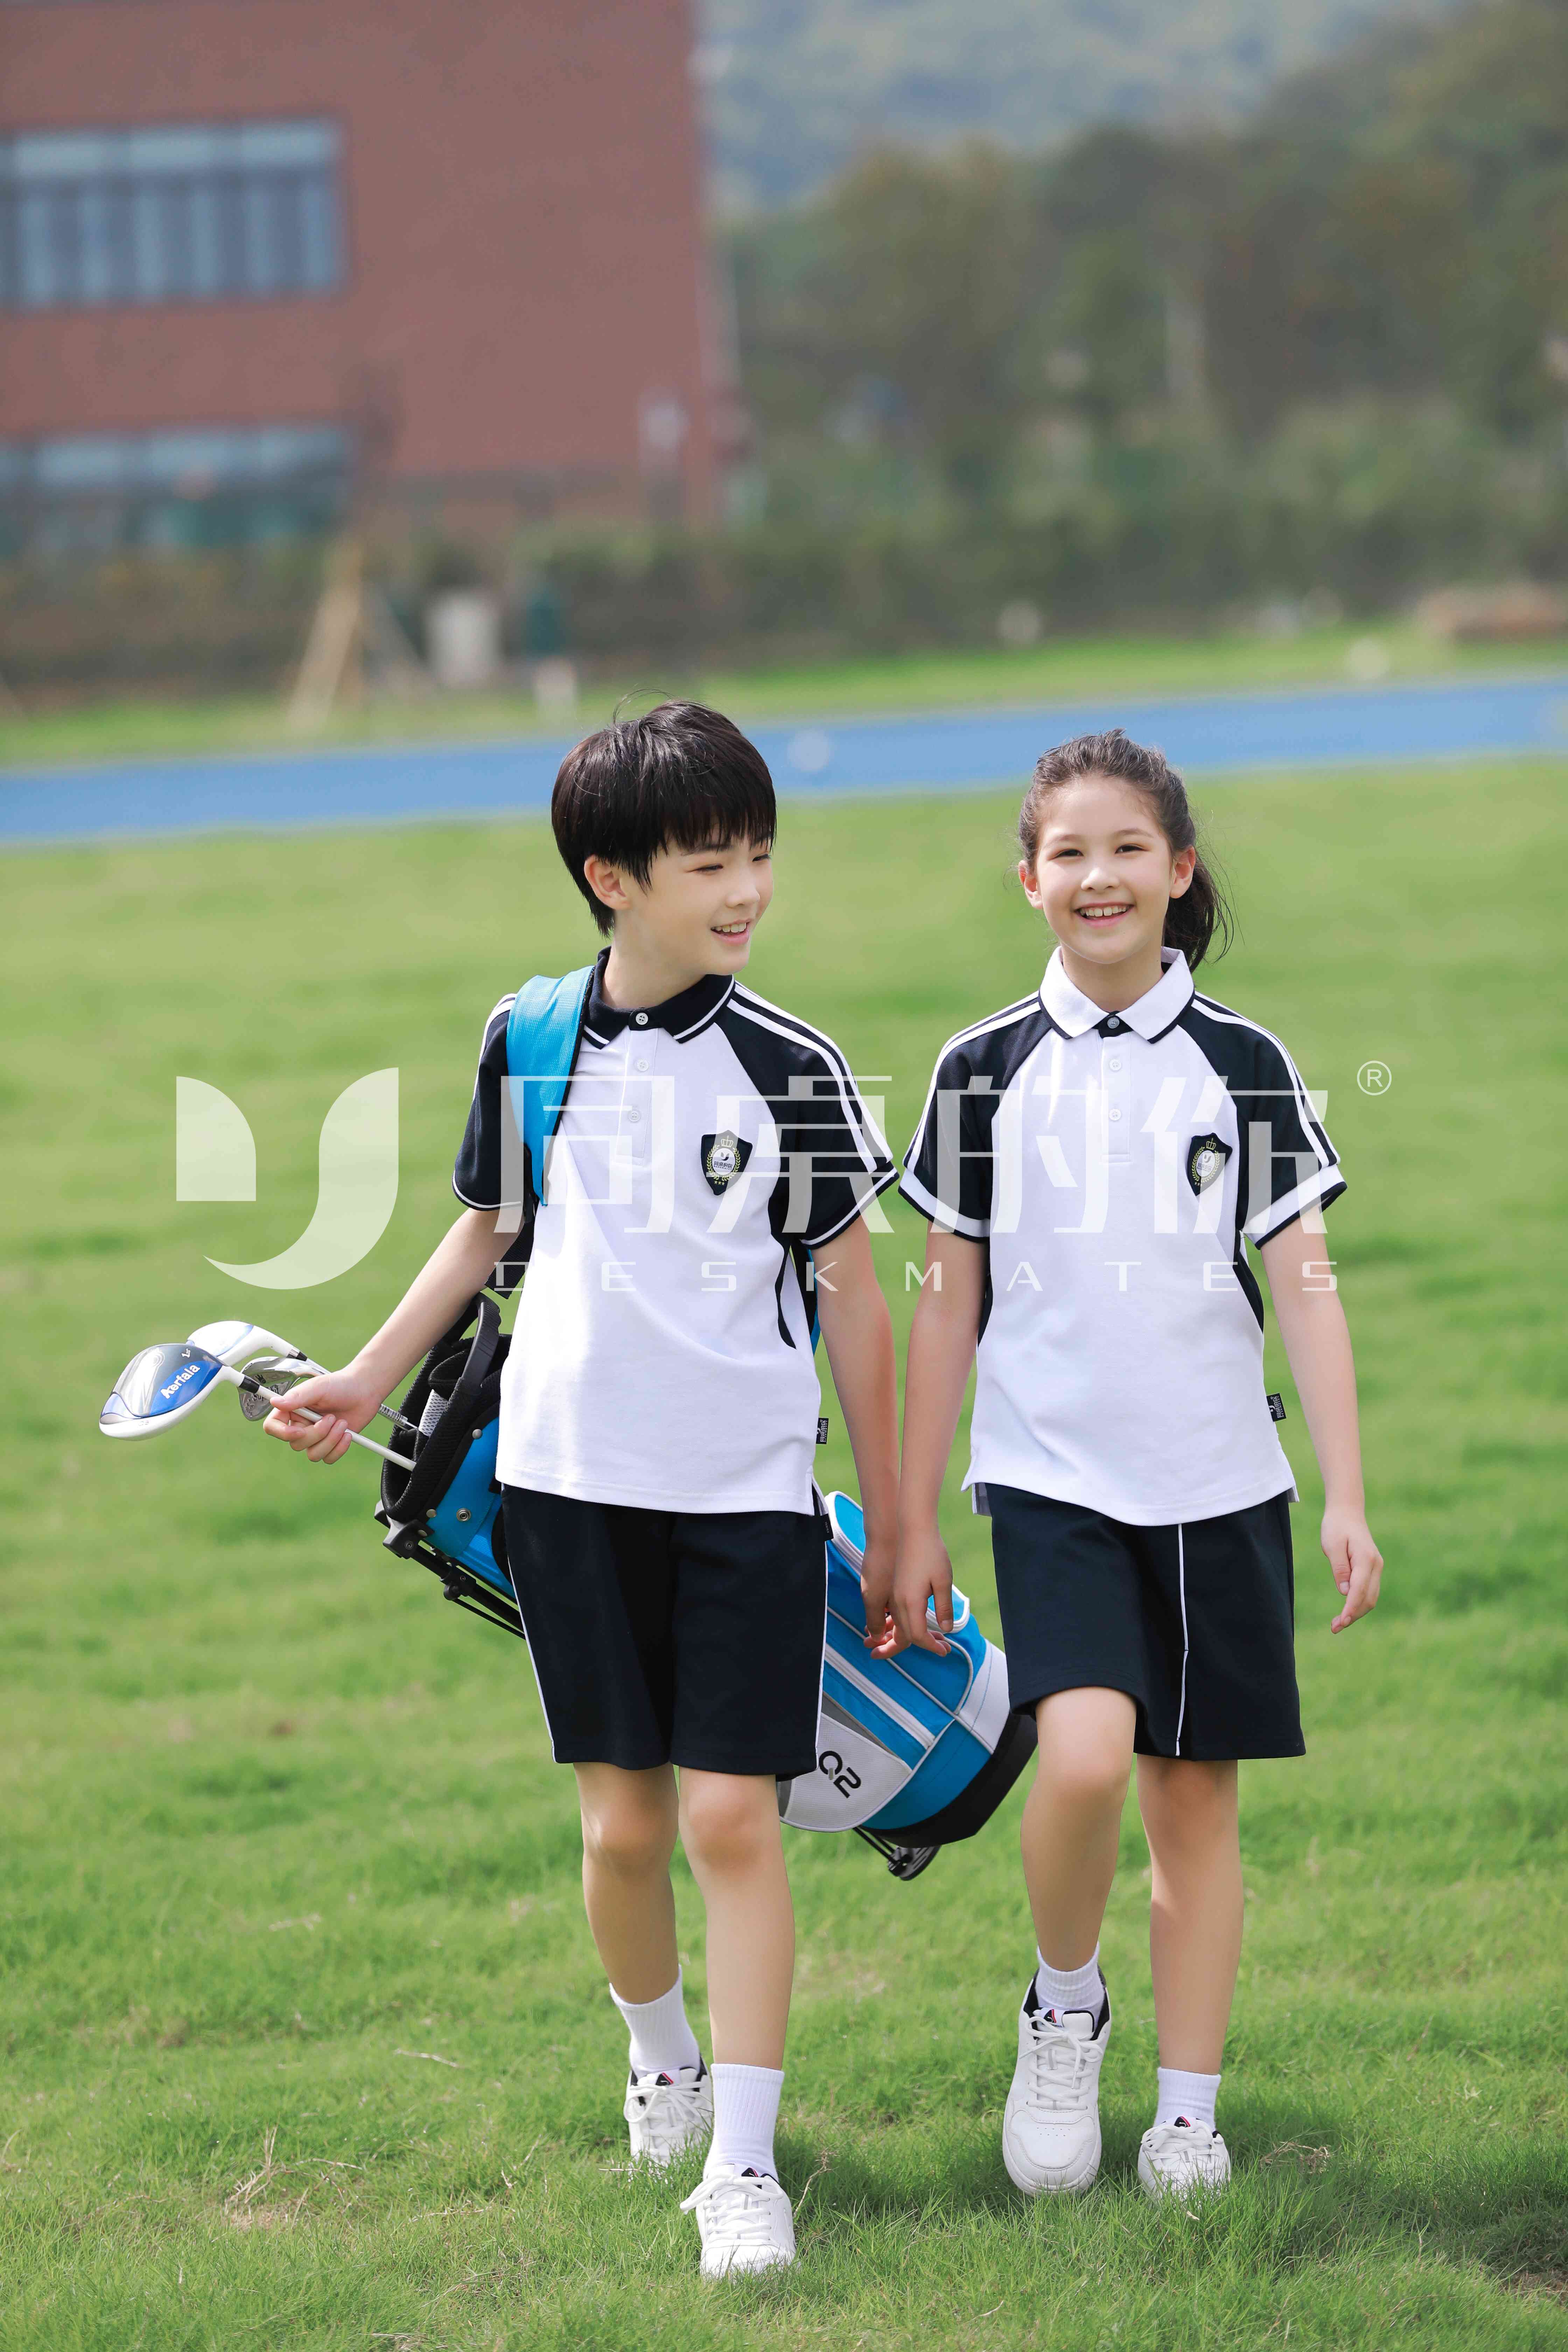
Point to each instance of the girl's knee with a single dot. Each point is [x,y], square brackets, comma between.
[728,1821]
[1090,1779]
[1185,1803]
[1085,1748]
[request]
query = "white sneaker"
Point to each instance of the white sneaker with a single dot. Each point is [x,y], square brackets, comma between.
[1050,2129]
[745,2220]
[669,2113]
[1176,2159]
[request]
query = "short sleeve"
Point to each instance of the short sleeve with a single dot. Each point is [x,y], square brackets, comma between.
[477,1175]
[947,1169]
[834,1144]
[1289,1165]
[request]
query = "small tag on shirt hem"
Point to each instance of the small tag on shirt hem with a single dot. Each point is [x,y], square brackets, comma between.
[1276,1407]
[822,1429]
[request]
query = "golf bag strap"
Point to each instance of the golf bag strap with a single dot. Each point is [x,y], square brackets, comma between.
[438,1458]
[543,1031]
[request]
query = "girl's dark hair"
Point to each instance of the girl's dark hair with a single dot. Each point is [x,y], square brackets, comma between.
[1202,912]
[682,777]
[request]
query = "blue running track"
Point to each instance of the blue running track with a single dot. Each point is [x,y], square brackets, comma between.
[935,751]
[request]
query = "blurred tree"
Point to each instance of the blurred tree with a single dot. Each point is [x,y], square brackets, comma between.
[1394,225]
[906,311]
[1108,312]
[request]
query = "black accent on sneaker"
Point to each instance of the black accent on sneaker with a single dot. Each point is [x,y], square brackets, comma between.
[1032,2006]
[667,2082]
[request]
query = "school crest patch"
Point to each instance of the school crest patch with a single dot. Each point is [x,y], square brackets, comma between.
[723,1156]
[1206,1156]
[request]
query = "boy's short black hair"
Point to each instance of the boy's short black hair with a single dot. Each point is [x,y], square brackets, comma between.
[682,777]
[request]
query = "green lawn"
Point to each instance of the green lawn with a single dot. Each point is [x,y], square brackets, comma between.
[305,2044]
[1222,663]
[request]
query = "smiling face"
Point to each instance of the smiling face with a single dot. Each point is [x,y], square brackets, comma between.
[1103,875]
[696,914]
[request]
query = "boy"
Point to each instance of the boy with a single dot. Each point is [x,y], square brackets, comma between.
[659,1418]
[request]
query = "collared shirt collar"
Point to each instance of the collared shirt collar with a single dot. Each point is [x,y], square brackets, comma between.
[1155,1011]
[681,1016]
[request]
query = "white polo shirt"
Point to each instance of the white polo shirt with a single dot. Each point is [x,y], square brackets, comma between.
[1112,1165]
[661,1353]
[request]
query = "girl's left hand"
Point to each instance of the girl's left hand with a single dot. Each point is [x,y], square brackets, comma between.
[924,1574]
[1355,1562]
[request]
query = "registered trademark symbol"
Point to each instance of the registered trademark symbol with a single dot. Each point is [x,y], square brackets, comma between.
[1374,1077]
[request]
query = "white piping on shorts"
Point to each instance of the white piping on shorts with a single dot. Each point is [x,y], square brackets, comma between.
[1181,1587]
[527,1646]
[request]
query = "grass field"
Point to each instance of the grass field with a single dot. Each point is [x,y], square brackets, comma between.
[304,2041]
[1224,662]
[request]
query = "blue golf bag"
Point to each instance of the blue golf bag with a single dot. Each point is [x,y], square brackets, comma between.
[446,1512]
[913,1752]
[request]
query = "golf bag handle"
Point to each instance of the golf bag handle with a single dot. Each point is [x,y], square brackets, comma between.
[438,1458]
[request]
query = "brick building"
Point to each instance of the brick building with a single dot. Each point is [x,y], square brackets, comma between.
[253,251]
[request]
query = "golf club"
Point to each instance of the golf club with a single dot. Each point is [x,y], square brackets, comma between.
[240,1344]
[164,1383]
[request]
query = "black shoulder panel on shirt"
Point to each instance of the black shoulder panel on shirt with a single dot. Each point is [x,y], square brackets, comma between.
[1229,1043]
[980,1063]
[1282,1142]
[816,1104]
[1255,1065]
[999,1051]
[773,1047]
[476,1176]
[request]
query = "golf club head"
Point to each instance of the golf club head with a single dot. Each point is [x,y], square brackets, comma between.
[278,1373]
[234,1344]
[159,1387]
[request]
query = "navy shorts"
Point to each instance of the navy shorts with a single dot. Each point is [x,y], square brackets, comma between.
[672,1637]
[1195,1622]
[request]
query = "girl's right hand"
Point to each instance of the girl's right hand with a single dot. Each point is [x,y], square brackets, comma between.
[344,1400]
[925,1574]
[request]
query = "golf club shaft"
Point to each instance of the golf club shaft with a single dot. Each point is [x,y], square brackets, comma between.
[387,1412]
[280,1396]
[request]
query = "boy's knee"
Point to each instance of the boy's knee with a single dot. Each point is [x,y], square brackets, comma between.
[727,1822]
[627,1839]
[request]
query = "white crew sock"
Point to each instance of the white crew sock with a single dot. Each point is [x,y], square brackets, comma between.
[1191,2096]
[1066,1988]
[662,2040]
[745,2109]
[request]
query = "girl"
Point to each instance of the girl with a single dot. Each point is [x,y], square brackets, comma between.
[1090,1160]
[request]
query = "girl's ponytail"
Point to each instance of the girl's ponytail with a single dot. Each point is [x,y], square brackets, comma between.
[1201,914]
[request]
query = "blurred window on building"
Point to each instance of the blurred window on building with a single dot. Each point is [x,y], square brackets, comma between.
[182,213]
[186,486]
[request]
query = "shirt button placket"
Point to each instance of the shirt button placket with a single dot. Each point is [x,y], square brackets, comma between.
[1115,1079]
[634,1125]
[639,1115]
